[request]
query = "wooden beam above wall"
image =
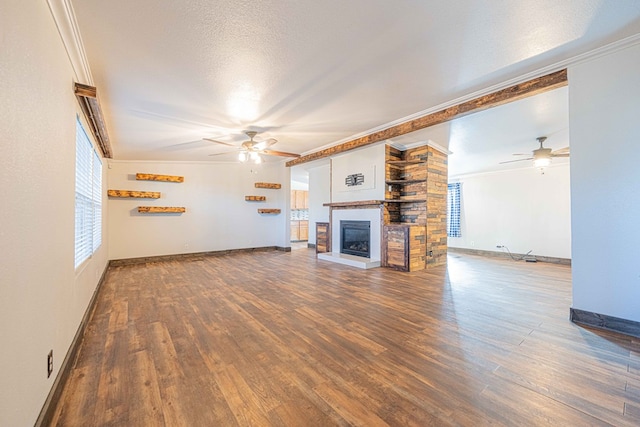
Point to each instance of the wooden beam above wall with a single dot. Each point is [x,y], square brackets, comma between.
[88,98]
[503,96]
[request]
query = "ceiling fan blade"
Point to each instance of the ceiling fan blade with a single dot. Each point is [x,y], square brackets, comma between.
[512,161]
[264,144]
[219,142]
[564,150]
[560,155]
[221,154]
[269,142]
[279,153]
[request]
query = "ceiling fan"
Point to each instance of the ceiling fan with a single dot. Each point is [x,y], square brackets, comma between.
[251,150]
[542,156]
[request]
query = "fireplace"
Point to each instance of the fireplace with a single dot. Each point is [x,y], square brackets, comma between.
[355,238]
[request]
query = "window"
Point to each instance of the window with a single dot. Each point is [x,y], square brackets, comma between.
[88,229]
[453,210]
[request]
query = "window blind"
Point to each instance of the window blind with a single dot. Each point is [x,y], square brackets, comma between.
[88,200]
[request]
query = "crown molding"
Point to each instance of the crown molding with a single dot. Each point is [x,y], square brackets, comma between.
[574,60]
[65,20]
[428,143]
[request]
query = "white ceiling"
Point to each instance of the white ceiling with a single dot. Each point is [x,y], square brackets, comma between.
[311,73]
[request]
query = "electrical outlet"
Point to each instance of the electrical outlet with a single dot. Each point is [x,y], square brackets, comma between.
[49,363]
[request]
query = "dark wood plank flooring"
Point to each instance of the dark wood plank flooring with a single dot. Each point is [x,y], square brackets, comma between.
[280,339]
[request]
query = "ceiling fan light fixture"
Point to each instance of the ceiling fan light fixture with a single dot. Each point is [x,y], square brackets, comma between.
[258,159]
[242,156]
[253,155]
[542,162]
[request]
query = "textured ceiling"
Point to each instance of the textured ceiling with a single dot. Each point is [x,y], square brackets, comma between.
[311,73]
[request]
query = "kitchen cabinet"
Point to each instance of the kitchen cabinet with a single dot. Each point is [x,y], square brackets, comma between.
[299,231]
[299,199]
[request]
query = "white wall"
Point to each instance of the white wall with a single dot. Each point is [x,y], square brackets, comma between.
[319,194]
[217,216]
[519,208]
[604,112]
[42,297]
[364,161]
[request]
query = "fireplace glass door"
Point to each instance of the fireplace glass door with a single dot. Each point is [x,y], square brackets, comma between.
[355,238]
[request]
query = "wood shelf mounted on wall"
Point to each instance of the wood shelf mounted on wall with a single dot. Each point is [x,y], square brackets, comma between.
[154,177]
[161,209]
[269,211]
[134,194]
[270,185]
[255,198]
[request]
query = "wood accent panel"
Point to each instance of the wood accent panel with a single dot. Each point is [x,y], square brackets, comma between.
[270,185]
[154,177]
[134,194]
[323,237]
[292,341]
[161,209]
[403,247]
[395,247]
[437,186]
[269,211]
[255,198]
[88,98]
[513,93]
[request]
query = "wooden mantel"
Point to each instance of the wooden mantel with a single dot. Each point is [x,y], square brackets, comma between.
[355,205]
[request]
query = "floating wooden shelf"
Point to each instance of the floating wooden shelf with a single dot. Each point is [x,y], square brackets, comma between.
[161,209]
[274,186]
[255,198]
[405,181]
[405,201]
[269,211]
[136,194]
[153,177]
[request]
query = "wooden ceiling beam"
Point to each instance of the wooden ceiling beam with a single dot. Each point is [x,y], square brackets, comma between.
[88,98]
[512,93]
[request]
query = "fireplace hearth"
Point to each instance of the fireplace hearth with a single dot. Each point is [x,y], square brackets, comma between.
[355,238]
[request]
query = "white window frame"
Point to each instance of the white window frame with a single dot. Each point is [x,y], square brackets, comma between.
[454,192]
[88,198]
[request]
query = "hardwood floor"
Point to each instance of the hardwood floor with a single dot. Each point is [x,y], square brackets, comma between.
[278,338]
